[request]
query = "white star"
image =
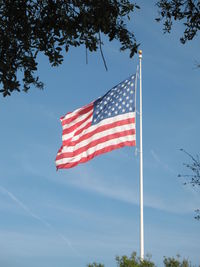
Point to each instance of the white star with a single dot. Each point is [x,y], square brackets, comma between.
[131,91]
[123,110]
[123,103]
[109,113]
[132,84]
[113,109]
[127,105]
[131,100]
[130,108]
[124,94]
[119,107]
[127,97]
[116,112]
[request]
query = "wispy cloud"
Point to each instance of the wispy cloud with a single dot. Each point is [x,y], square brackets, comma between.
[95,181]
[3,190]
[162,163]
[125,191]
[115,190]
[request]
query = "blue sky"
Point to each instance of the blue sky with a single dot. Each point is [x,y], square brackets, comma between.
[91,212]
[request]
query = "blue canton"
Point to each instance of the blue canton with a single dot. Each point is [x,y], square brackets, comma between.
[119,100]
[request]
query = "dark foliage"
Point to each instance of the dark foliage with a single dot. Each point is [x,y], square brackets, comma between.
[52,27]
[194,167]
[134,261]
[187,11]
[176,262]
[193,177]
[95,265]
[197,216]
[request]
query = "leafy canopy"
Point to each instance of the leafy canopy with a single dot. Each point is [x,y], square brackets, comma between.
[95,265]
[134,261]
[186,11]
[52,27]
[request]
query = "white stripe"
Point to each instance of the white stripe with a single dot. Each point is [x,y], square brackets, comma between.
[96,136]
[91,150]
[73,113]
[80,118]
[70,114]
[101,123]
[71,134]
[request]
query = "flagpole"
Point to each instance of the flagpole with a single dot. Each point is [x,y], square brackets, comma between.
[141,167]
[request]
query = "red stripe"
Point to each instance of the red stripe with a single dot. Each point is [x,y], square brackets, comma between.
[66,142]
[94,143]
[73,127]
[83,111]
[96,153]
[98,130]
[82,129]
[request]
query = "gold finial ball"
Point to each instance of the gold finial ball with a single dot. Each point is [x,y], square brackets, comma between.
[140,52]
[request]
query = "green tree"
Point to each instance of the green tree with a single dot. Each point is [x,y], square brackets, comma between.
[133,261]
[193,178]
[186,11]
[176,262]
[125,261]
[51,27]
[95,265]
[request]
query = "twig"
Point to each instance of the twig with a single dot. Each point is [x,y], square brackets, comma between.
[86,54]
[100,47]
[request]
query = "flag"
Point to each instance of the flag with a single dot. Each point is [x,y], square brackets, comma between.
[103,125]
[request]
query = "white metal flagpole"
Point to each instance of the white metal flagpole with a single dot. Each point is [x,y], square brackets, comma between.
[141,168]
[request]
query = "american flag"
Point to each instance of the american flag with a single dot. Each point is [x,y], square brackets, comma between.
[105,124]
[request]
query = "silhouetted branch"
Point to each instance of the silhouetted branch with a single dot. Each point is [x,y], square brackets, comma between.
[100,47]
[194,177]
